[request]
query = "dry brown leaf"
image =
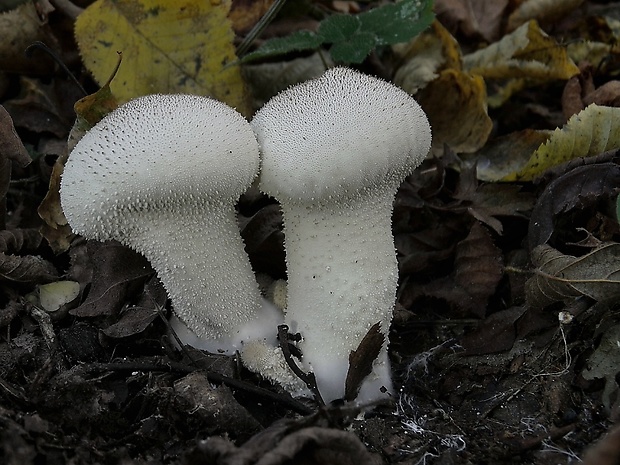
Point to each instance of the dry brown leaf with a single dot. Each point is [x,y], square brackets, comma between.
[506,154]
[477,271]
[580,188]
[472,18]
[425,56]
[244,14]
[361,361]
[541,10]
[11,150]
[20,28]
[283,444]
[15,263]
[119,273]
[137,318]
[604,363]
[575,90]
[456,106]
[560,277]
[608,95]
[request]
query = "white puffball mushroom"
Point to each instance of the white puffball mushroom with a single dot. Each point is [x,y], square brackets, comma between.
[161,174]
[334,151]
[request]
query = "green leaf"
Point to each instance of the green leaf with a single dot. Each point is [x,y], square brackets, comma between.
[296,42]
[397,22]
[338,28]
[354,37]
[355,50]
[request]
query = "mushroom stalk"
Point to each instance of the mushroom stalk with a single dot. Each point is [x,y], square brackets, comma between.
[343,276]
[222,313]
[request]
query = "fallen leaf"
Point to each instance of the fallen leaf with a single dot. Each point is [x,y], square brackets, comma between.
[527,52]
[264,240]
[589,132]
[54,295]
[11,150]
[505,155]
[541,10]
[581,187]
[15,262]
[558,277]
[496,333]
[244,14]
[21,27]
[138,317]
[41,108]
[185,47]
[604,363]
[607,95]
[477,271]
[118,274]
[575,90]
[456,106]
[425,57]
[472,18]
[361,361]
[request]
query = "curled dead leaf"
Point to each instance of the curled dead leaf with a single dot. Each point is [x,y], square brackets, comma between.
[581,187]
[558,277]
[15,262]
[362,359]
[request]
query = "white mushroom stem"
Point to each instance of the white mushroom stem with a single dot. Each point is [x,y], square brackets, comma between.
[223,313]
[342,277]
[161,174]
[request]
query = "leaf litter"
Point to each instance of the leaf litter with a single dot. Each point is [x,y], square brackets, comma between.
[503,338]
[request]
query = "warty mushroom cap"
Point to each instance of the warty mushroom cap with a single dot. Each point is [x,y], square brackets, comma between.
[148,154]
[340,133]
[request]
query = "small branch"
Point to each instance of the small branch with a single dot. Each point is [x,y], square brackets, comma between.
[308,378]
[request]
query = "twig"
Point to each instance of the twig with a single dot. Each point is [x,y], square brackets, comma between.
[308,378]
[259,26]
[213,377]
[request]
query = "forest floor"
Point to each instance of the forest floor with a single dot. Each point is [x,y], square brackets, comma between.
[504,343]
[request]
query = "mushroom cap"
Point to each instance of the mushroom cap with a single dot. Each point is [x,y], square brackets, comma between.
[332,136]
[157,151]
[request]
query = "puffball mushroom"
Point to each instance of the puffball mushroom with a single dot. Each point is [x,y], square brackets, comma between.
[334,152]
[161,174]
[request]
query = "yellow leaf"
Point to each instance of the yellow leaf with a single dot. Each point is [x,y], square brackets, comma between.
[593,130]
[431,51]
[54,295]
[455,104]
[168,47]
[526,52]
